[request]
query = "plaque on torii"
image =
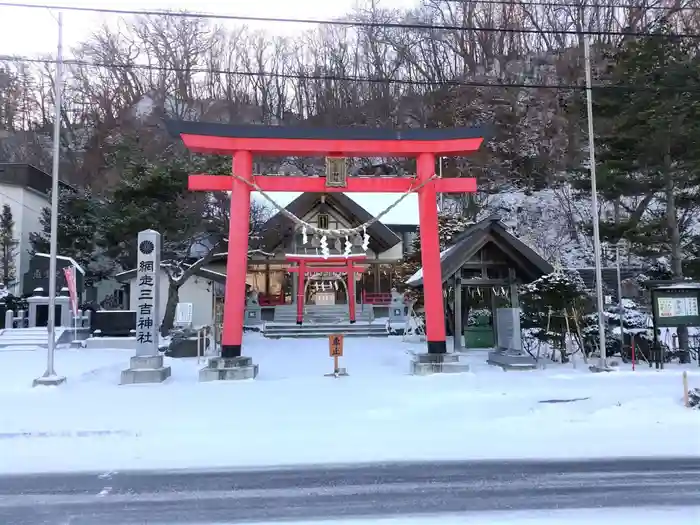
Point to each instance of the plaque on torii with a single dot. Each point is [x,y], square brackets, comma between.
[242,142]
[336,172]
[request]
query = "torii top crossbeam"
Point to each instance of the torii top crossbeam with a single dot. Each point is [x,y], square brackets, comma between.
[245,141]
[225,139]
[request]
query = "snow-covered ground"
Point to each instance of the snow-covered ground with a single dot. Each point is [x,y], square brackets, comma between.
[292,414]
[623,516]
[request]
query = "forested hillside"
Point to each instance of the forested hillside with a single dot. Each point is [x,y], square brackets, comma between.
[514,66]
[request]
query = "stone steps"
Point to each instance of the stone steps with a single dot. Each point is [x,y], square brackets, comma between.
[323,314]
[278,330]
[326,318]
[27,338]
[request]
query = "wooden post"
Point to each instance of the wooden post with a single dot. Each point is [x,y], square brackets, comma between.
[351,291]
[335,350]
[686,396]
[457,343]
[301,266]
[237,262]
[430,257]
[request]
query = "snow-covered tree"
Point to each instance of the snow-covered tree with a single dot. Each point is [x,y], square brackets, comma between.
[549,302]
[449,227]
[636,324]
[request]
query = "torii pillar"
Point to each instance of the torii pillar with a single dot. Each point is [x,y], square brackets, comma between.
[242,142]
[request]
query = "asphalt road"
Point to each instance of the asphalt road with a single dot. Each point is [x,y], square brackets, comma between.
[238,496]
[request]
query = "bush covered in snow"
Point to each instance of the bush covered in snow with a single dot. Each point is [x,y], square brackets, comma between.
[637,326]
[549,302]
[694,398]
[479,316]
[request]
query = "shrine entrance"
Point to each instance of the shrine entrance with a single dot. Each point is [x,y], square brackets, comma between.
[326,289]
[321,276]
[242,142]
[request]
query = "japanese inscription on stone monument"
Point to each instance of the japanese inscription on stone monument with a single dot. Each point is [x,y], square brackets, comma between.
[147,290]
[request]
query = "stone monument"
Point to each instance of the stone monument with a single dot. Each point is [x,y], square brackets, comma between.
[397,308]
[147,365]
[253,312]
[509,354]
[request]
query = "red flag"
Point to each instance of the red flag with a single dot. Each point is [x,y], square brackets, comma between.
[69,272]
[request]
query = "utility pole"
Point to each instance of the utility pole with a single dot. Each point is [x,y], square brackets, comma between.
[50,377]
[603,365]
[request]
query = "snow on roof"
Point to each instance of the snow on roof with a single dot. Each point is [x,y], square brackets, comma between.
[406,212]
[64,258]
[419,274]
[679,286]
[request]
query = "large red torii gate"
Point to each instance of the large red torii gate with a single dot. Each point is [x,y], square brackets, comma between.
[245,141]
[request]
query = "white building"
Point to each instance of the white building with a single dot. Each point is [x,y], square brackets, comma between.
[198,290]
[25,189]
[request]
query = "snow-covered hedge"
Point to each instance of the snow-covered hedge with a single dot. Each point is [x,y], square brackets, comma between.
[549,302]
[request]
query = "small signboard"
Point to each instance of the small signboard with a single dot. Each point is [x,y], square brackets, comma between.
[674,304]
[335,345]
[677,305]
[183,314]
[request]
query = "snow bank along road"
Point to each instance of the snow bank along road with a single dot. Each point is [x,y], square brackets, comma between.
[336,492]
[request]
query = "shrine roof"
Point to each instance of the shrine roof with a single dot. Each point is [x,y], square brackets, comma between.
[403,215]
[279,225]
[257,131]
[475,237]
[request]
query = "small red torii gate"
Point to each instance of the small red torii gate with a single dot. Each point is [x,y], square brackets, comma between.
[245,141]
[338,263]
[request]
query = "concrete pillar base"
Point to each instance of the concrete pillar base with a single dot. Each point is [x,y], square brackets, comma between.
[229,369]
[49,381]
[426,364]
[511,360]
[145,369]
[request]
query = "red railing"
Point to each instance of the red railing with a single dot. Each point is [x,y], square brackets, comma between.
[271,300]
[380,298]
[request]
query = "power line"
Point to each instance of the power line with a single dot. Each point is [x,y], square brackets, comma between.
[581,5]
[344,23]
[341,78]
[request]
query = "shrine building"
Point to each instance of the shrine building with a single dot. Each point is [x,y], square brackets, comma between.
[272,267]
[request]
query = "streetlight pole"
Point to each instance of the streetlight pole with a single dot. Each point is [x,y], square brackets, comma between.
[50,377]
[603,365]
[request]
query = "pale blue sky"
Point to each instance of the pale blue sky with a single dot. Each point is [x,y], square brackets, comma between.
[32,31]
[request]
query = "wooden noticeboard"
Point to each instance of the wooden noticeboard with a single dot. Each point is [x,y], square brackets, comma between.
[335,345]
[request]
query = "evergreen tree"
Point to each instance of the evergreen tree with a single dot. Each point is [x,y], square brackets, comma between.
[547,303]
[646,119]
[80,221]
[8,246]
[152,193]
